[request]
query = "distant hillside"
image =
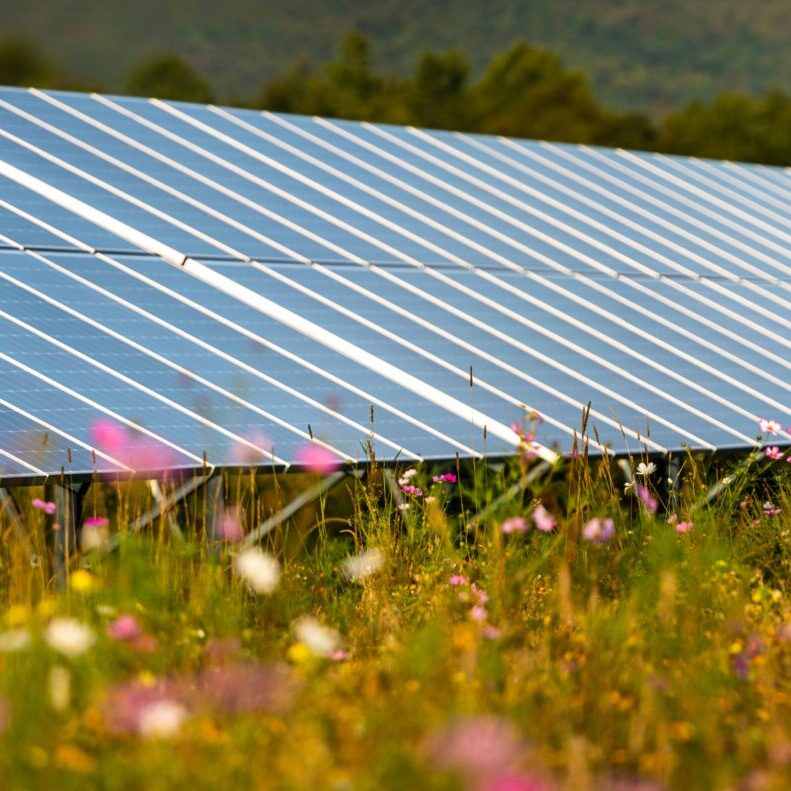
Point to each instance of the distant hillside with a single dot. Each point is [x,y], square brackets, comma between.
[653,54]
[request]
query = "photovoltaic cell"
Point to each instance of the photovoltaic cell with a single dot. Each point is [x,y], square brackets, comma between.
[334,266]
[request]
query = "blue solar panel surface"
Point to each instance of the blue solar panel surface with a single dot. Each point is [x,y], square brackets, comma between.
[298,277]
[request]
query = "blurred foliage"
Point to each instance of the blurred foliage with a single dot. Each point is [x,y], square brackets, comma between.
[169,77]
[525,91]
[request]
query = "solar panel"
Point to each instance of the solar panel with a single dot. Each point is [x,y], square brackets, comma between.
[232,285]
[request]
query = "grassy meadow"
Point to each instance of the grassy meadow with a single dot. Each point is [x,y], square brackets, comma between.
[455,633]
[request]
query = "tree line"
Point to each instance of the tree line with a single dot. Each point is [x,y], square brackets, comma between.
[524,91]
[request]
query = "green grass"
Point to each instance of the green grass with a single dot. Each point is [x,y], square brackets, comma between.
[657,657]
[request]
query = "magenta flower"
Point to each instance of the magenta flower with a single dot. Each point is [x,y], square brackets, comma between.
[135,450]
[543,520]
[458,579]
[770,509]
[684,527]
[769,426]
[773,453]
[480,748]
[598,531]
[43,505]
[96,521]
[478,613]
[228,525]
[515,524]
[647,498]
[480,594]
[124,628]
[413,490]
[446,477]
[317,458]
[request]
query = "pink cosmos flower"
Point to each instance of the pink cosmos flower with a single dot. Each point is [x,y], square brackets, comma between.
[446,477]
[543,520]
[125,628]
[480,594]
[518,783]
[515,524]
[684,527]
[672,519]
[647,498]
[228,525]
[773,453]
[96,521]
[480,748]
[769,426]
[458,579]
[135,450]
[317,458]
[246,456]
[490,632]
[598,531]
[478,613]
[338,656]
[414,490]
[43,505]
[771,510]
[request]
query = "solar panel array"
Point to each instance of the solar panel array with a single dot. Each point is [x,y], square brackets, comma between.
[233,286]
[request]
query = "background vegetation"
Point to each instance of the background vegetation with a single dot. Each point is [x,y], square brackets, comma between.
[523,91]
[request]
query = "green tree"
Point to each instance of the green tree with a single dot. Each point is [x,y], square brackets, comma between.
[437,95]
[22,64]
[527,92]
[732,127]
[169,77]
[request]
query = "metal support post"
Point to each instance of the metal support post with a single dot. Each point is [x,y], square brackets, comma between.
[63,525]
[300,501]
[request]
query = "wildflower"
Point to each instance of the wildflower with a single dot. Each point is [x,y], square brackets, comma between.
[629,487]
[228,525]
[94,534]
[430,499]
[515,524]
[162,719]
[684,527]
[43,505]
[321,640]
[403,506]
[59,683]
[672,519]
[598,531]
[478,613]
[479,593]
[82,581]
[125,628]
[317,458]
[769,426]
[246,455]
[770,509]
[481,748]
[647,499]
[447,477]
[13,640]
[491,632]
[407,476]
[69,637]
[458,579]
[773,453]
[413,490]
[646,469]
[543,520]
[136,450]
[358,567]
[258,569]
